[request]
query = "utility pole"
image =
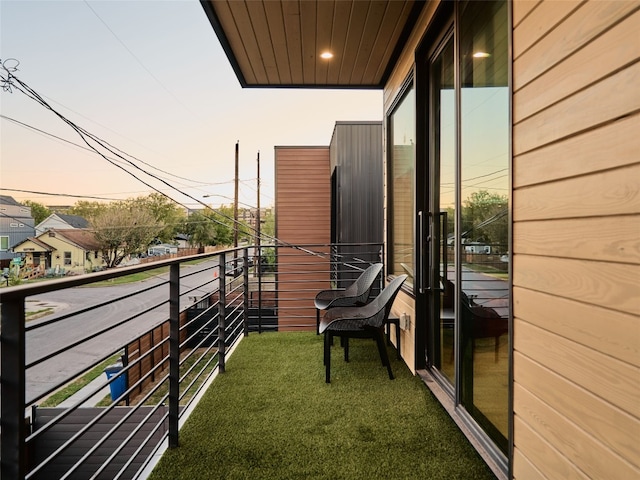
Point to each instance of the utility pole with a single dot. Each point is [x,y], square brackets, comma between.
[235,210]
[258,257]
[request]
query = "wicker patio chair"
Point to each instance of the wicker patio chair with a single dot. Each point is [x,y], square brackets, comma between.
[367,321]
[355,294]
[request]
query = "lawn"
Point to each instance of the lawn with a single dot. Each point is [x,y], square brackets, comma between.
[272,416]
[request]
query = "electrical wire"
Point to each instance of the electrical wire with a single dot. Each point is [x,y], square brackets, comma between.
[43,132]
[140,62]
[9,81]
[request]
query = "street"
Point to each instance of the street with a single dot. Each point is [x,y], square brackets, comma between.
[42,341]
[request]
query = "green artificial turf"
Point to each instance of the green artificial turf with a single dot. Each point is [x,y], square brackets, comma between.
[272,416]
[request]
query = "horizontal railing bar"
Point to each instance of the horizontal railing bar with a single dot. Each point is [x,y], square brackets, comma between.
[188,339]
[305,279]
[64,382]
[92,336]
[143,444]
[21,291]
[235,332]
[91,423]
[89,309]
[197,377]
[129,438]
[193,352]
[188,324]
[34,435]
[198,287]
[111,431]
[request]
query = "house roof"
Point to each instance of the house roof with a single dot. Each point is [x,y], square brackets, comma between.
[45,247]
[7,200]
[76,221]
[82,238]
[277,43]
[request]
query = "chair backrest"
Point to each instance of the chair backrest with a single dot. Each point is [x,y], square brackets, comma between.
[378,310]
[360,289]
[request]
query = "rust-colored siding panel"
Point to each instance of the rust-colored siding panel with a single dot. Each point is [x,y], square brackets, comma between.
[303,217]
[576,210]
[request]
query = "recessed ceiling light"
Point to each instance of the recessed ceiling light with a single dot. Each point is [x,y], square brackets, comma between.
[481,55]
[326,55]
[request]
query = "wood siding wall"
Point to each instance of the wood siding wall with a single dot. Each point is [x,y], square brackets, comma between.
[576,211]
[303,216]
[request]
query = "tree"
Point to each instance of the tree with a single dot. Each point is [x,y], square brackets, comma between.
[485,219]
[88,210]
[268,224]
[200,229]
[38,211]
[208,227]
[165,211]
[122,229]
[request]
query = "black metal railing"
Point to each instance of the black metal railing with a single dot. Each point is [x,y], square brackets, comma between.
[171,333]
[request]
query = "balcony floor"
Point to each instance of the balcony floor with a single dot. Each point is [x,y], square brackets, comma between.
[272,416]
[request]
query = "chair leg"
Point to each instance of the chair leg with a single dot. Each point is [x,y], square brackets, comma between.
[317,321]
[327,357]
[345,344]
[384,356]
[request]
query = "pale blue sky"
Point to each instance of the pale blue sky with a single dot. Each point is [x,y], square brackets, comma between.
[151,78]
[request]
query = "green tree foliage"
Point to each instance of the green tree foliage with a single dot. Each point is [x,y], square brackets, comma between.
[166,212]
[38,211]
[208,227]
[88,210]
[485,219]
[268,225]
[123,228]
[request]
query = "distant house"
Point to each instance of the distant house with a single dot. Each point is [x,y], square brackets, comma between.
[61,221]
[181,240]
[16,224]
[70,250]
[162,249]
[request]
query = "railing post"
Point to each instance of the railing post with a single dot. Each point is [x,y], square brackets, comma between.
[245,309]
[174,352]
[259,289]
[222,293]
[12,404]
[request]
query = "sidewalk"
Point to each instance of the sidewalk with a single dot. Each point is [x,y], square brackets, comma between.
[86,390]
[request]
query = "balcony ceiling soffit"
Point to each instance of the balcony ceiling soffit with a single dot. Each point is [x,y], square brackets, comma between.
[277,43]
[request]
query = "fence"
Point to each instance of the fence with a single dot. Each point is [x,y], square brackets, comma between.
[172,331]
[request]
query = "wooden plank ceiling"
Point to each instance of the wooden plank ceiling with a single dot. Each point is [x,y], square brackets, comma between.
[277,43]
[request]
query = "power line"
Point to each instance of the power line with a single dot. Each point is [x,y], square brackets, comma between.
[31,127]
[139,61]
[55,194]
[11,82]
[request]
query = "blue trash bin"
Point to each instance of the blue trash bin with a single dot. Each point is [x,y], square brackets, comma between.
[119,385]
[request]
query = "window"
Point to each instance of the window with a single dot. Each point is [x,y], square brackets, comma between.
[67,258]
[4,244]
[402,128]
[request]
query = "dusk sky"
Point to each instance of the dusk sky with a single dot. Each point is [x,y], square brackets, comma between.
[151,79]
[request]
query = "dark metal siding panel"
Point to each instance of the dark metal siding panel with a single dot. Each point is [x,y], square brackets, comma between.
[357,148]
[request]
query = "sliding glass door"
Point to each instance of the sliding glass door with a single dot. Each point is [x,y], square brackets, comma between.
[466,205]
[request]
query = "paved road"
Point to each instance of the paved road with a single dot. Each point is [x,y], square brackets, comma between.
[51,337]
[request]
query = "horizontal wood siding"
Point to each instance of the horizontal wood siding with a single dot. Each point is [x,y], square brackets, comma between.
[303,216]
[405,304]
[576,239]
